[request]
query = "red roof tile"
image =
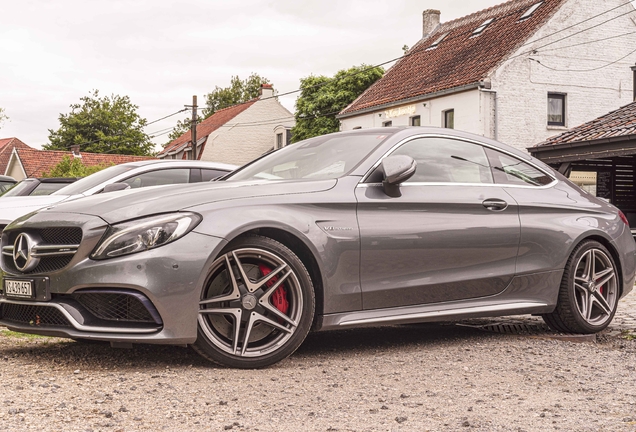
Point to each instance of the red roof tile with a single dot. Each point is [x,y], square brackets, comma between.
[209,125]
[6,148]
[36,162]
[616,124]
[460,59]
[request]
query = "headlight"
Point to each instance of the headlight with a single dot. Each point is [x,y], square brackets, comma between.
[144,234]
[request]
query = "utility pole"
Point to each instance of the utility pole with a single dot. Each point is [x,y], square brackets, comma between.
[193,128]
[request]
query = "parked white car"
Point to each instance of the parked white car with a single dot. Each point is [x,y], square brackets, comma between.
[131,174]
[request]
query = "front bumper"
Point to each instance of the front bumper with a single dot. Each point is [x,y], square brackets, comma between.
[167,281]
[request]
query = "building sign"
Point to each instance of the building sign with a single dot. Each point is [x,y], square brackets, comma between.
[397,112]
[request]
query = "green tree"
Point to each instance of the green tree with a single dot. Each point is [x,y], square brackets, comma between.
[237,92]
[74,167]
[102,125]
[182,127]
[3,117]
[321,98]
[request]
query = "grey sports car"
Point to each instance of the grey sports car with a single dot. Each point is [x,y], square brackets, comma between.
[377,226]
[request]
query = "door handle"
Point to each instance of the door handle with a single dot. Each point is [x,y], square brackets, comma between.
[495,204]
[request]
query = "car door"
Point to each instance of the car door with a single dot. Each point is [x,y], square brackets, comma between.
[452,235]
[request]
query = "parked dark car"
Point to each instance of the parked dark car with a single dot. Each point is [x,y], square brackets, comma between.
[39,186]
[128,175]
[369,227]
[6,183]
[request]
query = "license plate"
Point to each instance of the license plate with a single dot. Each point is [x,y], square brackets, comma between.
[18,288]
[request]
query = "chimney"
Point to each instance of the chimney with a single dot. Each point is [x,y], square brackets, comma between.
[634,70]
[430,21]
[267,90]
[75,149]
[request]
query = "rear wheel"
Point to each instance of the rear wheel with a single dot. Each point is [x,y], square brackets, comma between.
[257,305]
[588,295]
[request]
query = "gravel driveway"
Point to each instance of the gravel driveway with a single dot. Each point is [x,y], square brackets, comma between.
[425,377]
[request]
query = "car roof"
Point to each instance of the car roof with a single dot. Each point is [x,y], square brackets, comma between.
[185,163]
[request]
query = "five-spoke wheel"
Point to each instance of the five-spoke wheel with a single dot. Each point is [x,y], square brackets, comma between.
[257,304]
[588,296]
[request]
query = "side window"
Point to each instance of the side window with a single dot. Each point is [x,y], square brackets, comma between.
[512,171]
[210,174]
[159,177]
[444,160]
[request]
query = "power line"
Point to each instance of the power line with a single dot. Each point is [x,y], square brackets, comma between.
[573,34]
[163,118]
[584,70]
[589,42]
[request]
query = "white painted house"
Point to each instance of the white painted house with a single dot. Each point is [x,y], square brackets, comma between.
[237,134]
[518,72]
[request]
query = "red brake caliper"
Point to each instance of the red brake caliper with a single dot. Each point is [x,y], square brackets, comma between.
[279,297]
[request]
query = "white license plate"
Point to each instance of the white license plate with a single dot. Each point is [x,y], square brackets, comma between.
[17,288]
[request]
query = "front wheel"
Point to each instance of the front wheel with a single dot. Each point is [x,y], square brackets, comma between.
[256,306]
[588,296]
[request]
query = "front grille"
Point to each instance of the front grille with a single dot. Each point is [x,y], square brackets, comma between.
[115,306]
[61,235]
[48,236]
[33,315]
[46,265]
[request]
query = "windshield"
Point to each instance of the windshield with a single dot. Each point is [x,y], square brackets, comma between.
[321,158]
[81,186]
[18,189]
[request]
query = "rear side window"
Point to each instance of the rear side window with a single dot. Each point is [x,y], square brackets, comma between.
[512,171]
[444,160]
[159,177]
[210,174]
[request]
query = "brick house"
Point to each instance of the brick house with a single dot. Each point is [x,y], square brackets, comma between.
[7,145]
[237,134]
[26,162]
[518,72]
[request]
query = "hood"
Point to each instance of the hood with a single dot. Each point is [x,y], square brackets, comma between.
[115,207]
[13,207]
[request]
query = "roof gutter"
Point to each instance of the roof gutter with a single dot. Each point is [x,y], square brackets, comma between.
[424,97]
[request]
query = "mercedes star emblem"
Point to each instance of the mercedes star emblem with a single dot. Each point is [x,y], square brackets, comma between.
[22,253]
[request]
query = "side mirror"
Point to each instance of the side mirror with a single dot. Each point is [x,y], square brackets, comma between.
[397,170]
[113,187]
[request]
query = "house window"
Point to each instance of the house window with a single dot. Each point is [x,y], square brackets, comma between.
[556,109]
[279,140]
[449,119]
[482,27]
[415,121]
[437,41]
[530,11]
[387,123]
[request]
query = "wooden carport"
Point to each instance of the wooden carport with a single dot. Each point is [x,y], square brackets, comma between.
[606,146]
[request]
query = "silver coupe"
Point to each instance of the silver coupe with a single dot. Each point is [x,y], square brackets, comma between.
[369,227]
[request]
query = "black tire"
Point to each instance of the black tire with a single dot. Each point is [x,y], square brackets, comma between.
[268,331]
[587,303]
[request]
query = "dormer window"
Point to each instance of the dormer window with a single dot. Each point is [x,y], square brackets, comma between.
[479,30]
[438,41]
[527,14]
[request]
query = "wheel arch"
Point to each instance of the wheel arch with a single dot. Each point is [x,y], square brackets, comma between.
[300,247]
[609,245]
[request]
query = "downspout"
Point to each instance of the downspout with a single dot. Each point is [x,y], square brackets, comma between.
[494,92]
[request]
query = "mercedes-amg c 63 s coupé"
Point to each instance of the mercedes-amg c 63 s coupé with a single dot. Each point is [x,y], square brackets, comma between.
[368,227]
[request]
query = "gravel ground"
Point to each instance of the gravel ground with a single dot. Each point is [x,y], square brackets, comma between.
[424,377]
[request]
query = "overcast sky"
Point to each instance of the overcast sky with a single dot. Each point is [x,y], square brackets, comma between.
[161,52]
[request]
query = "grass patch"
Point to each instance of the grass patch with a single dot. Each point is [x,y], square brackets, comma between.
[628,335]
[21,335]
